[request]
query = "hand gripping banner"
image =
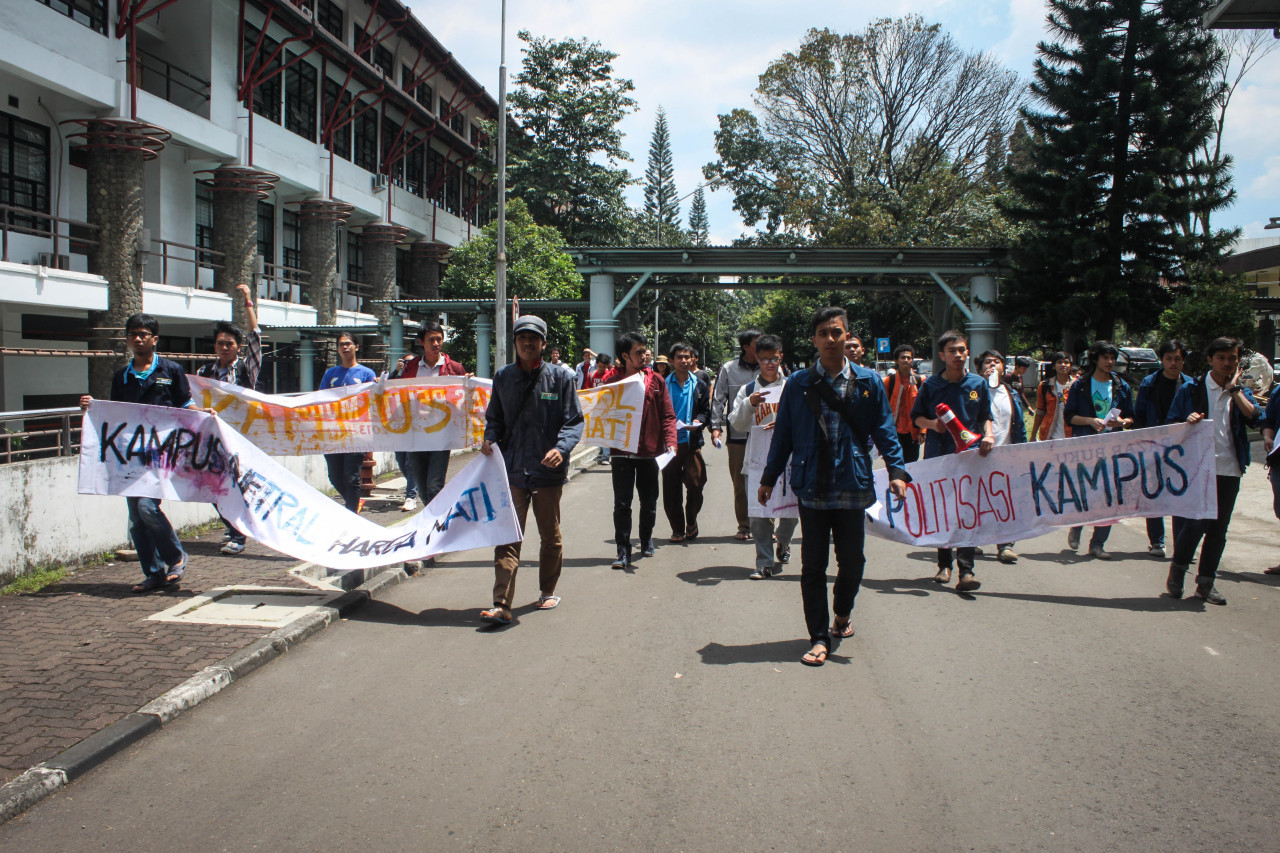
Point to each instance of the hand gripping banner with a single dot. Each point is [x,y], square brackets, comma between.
[188,455]
[1019,491]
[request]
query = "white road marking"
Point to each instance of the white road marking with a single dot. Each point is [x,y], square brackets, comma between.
[1211,651]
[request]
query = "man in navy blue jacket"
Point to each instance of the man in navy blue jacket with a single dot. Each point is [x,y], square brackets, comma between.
[535,417]
[827,418]
[1219,397]
[1094,396]
[1155,396]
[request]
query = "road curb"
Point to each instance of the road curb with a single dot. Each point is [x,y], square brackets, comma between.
[50,776]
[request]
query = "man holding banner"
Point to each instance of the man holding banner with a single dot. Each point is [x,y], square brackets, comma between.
[967,396]
[827,418]
[1271,426]
[535,418]
[430,467]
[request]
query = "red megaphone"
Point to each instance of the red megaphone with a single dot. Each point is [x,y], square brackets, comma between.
[961,434]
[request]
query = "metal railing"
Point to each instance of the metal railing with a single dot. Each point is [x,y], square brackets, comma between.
[202,258]
[53,434]
[173,83]
[353,295]
[76,236]
[284,283]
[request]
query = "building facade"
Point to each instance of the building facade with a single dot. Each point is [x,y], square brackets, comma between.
[154,154]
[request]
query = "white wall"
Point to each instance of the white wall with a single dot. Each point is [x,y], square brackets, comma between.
[44,521]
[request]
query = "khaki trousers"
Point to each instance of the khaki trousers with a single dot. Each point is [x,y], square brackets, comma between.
[737,455]
[506,558]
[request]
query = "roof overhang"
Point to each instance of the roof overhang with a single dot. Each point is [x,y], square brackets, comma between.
[1243,15]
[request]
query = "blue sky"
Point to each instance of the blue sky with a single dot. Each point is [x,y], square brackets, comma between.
[700,58]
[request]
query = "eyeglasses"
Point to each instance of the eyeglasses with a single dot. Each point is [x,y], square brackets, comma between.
[137,333]
[771,361]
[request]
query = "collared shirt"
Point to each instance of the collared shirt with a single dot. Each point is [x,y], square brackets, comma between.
[1002,412]
[144,375]
[969,399]
[827,497]
[162,383]
[1224,446]
[682,402]
[425,369]
[1059,429]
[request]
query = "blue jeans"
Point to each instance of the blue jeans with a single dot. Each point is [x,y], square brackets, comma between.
[1099,537]
[406,469]
[1155,530]
[153,536]
[430,467]
[344,475]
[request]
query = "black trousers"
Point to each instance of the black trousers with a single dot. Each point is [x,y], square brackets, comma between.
[630,474]
[1212,530]
[818,527]
[910,450]
[965,555]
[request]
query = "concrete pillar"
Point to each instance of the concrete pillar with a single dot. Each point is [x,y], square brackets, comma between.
[984,328]
[379,240]
[396,347]
[114,190]
[236,191]
[424,268]
[306,364]
[484,344]
[318,221]
[601,327]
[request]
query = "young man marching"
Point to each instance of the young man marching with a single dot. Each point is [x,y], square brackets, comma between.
[902,387]
[535,417]
[1088,409]
[228,339]
[733,375]
[430,467]
[639,471]
[970,401]
[827,418]
[153,381]
[1155,396]
[1219,397]
[1051,398]
[685,477]
[751,409]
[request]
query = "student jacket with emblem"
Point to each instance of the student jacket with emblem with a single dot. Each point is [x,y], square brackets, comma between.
[165,386]
[798,435]
[529,414]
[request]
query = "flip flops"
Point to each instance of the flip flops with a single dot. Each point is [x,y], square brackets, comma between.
[150,584]
[843,630]
[548,602]
[495,616]
[812,658]
[174,573]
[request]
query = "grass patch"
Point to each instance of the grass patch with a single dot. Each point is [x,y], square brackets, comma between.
[35,581]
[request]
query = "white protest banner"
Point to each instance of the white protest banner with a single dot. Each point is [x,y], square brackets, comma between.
[1021,490]
[428,413]
[611,414]
[187,455]
[782,502]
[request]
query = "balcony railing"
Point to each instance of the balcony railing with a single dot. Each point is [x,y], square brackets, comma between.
[39,434]
[176,85]
[284,284]
[172,254]
[66,235]
[353,295]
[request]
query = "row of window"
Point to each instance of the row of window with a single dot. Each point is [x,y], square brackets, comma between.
[91,13]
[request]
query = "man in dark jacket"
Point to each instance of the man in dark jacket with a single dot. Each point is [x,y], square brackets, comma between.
[687,473]
[535,417]
[638,471]
[1155,396]
[827,418]
[1219,397]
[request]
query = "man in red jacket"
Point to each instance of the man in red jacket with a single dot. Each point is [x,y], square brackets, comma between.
[429,466]
[639,470]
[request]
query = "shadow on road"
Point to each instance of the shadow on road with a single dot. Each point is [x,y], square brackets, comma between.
[778,651]
[1154,604]
[114,591]
[1252,577]
[712,575]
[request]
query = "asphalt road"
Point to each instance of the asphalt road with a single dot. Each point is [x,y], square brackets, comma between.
[1063,707]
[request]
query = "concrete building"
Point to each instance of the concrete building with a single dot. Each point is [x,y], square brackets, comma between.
[153,155]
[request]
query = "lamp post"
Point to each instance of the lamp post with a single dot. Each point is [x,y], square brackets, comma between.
[500,270]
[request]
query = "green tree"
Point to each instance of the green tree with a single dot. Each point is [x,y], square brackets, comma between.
[660,206]
[883,136]
[1215,305]
[699,225]
[786,313]
[566,161]
[537,268]
[1124,100]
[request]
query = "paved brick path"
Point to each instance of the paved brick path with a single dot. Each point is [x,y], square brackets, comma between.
[78,656]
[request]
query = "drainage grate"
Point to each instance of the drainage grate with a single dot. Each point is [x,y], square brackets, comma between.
[253,606]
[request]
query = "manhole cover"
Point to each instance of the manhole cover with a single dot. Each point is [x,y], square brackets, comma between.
[254,606]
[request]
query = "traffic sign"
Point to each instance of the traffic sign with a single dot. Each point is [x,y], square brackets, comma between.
[882,346]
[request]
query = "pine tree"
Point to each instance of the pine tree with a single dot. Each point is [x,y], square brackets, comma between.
[1125,98]
[699,227]
[660,207]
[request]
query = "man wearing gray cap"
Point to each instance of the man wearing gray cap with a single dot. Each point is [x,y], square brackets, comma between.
[535,417]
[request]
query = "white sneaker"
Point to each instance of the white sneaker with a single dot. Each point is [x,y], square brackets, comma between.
[409,505]
[1156,551]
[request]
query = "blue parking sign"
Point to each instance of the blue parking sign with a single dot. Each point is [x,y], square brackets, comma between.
[882,346]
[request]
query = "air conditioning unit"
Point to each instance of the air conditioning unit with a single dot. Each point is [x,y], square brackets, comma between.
[379,183]
[57,262]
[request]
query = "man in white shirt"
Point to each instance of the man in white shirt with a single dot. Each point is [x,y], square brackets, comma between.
[1219,396]
[585,368]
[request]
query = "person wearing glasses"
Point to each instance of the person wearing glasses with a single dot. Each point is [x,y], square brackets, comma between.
[228,340]
[344,468]
[151,380]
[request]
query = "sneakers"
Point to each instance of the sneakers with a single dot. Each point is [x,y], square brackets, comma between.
[761,574]
[1007,555]
[649,548]
[784,555]
[1156,551]
[967,582]
[1174,584]
[1073,539]
[232,547]
[226,536]
[624,558]
[1206,592]
[409,505]
[1098,554]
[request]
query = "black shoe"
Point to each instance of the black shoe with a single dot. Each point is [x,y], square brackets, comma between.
[649,547]
[624,558]
[1206,592]
[1174,583]
[784,556]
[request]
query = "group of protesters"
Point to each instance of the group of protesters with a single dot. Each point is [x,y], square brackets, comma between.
[824,419]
